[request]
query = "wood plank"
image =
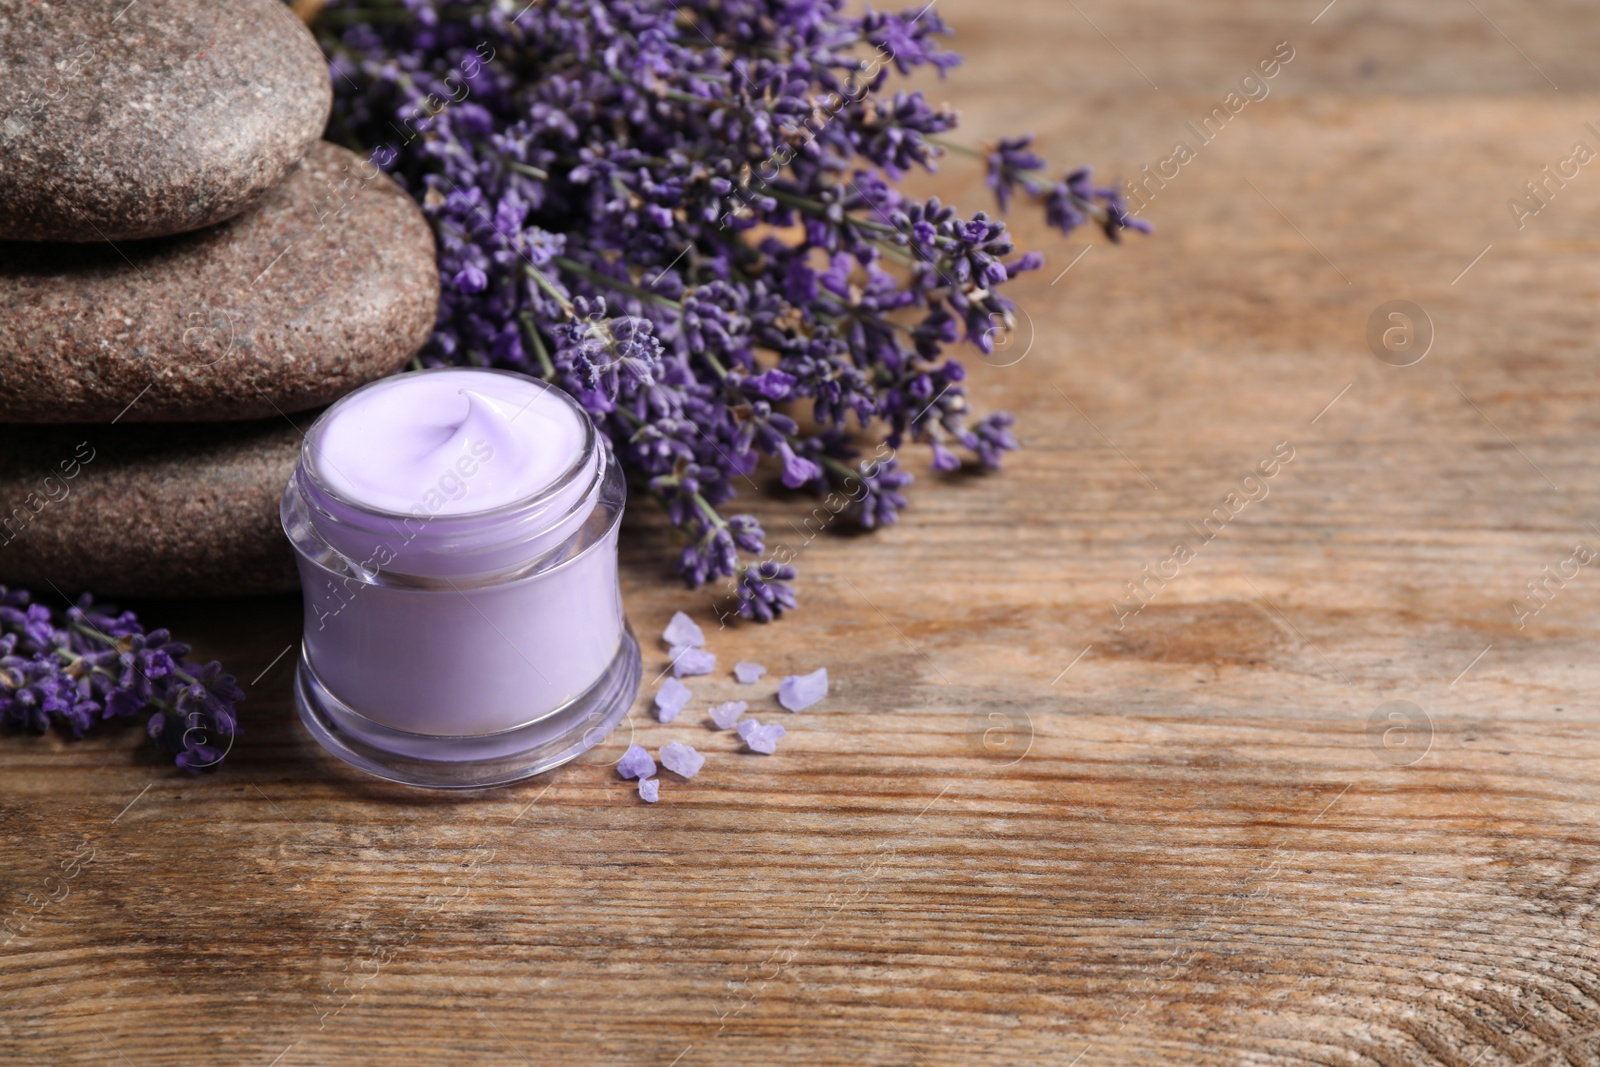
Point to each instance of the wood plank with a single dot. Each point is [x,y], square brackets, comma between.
[1201,856]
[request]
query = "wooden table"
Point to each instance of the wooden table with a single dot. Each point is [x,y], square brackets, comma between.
[1186,841]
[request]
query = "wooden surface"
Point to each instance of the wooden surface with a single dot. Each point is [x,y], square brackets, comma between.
[1189,849]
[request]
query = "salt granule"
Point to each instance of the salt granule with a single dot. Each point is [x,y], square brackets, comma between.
[688,660]
[670,699]
[760,738]
[748,673]
[681,759]
[636,763]
[683,631]
[649,790]
[725,715]
[799,691]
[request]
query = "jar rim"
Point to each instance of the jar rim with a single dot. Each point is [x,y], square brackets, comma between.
[534,502]
[313,547]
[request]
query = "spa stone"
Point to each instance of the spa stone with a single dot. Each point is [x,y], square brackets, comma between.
[146,510]
[328,283]
[131,120]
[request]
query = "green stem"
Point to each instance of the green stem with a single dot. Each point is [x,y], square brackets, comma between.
[392,13]
[539,350]
[666,94]
[612,283]
[71,658]
[709,512]
[838,468]
[532,172]
[555,294]
[819,209]
[955,146]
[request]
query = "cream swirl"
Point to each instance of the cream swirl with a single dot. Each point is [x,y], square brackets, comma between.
[447,443]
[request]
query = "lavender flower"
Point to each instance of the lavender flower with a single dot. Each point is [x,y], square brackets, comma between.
[608,183]
[1008,165]
[88,664]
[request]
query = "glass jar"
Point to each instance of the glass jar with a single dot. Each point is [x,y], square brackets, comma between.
[448,645]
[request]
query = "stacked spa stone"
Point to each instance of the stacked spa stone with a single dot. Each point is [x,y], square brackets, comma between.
[186,274]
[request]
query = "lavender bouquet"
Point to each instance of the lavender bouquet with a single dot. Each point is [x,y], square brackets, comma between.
[683,213]
[88,664]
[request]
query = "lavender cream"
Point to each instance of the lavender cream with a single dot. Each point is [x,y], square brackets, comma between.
[456,531]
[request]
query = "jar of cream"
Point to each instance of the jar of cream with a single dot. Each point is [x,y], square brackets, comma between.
[456,531]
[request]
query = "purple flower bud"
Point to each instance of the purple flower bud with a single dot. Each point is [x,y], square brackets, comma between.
[797,470]
[470,279]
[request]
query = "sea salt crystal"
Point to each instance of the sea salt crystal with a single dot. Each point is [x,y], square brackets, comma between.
[799,691]
[688,660]
[681,759]
[670,699]
[683,631]
[760,738]
[748,673]
[636,763]
[725,715]
[649,790]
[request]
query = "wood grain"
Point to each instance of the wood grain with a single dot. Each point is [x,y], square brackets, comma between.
[1190,849]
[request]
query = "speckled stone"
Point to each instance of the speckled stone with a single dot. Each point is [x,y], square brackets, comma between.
[178,510]
[328,283]
[125,120]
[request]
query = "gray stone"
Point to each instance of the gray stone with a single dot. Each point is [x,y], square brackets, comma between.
[151,117]
[326,284]
[179,510]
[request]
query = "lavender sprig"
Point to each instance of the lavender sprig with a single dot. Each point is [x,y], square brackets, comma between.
[682,212]
[90,664]
[1068,203]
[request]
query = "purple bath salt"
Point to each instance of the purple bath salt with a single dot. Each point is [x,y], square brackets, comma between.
[670,699]
[799,691]
[682,631]
[725,715]
[681,759]
[688,660]
[748,673]
[636,763]
[650,790]
[760,738]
